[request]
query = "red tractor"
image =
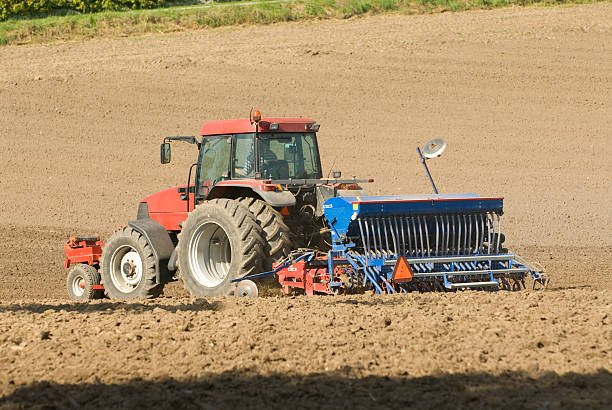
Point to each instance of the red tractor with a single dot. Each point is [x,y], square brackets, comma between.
[255,194]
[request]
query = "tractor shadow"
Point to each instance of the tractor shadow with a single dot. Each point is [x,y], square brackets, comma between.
[101,306]
[343,389]
[186,304]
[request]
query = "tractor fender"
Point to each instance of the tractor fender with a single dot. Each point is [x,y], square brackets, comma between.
[277,199]
[229,189]
[160,241]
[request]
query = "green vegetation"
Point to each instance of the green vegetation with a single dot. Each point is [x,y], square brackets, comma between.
[21,30]
[9,8]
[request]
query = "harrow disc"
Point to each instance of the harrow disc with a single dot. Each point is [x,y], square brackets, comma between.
[246,289]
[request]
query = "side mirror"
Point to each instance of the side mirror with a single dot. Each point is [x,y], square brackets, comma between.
[165,153]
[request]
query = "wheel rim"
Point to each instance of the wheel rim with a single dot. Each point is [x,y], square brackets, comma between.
[210,254]
[126,268]
[78,285]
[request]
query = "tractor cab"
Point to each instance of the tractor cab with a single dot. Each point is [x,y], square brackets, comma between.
[274,160]
[251,152]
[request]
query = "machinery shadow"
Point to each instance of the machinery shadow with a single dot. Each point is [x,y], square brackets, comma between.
[100,306]
[246,389]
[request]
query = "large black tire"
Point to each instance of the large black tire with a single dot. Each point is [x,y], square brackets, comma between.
[277,234]
[220,241]
[80,281]
[128,267]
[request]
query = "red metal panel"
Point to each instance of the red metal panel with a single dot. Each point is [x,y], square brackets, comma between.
[300,276]
[243,125]
[84,251]
[167,207]
[168,200]
[170,220]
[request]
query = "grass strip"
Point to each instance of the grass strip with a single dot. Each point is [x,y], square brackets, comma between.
[16,31]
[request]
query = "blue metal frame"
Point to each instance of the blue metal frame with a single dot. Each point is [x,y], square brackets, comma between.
[474,265]
[450,242]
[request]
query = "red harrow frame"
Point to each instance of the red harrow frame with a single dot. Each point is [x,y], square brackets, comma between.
[83,280]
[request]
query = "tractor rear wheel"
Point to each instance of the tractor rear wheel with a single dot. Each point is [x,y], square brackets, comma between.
[220,241]
[277,234]
[128,267]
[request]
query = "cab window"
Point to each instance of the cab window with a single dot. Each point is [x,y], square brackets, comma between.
[244,162]
[214,161]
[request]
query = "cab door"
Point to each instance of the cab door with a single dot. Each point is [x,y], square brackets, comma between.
[213,163]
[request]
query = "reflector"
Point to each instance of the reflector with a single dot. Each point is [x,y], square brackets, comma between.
[434,148]
[402,272]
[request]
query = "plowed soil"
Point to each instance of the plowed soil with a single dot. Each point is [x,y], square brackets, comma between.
[524,98]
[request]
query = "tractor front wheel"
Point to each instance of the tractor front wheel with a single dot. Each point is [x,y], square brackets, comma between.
[128,267]
[220,241]
[80,282]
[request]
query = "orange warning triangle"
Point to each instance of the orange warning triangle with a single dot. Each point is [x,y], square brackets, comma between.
[402,272]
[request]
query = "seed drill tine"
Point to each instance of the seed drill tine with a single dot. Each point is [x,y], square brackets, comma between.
[380,243]
[470,242]
[477,239]
[498,234]
[372,240]
[408,236]
[437,253]
[403,243]
[363,240]
[446,248]
[378,238]
[465,235]
[488,234]
[384,245]
[459,235]
[381,249]
[414,245]
[384,222]
[368,238]
[410,248]
[453,225]
[494,231]
[441,252]
[462,231]
[465,232]
[482,231]
[421,236]
[373,236]
[426,236]
[392,227]
[416,238]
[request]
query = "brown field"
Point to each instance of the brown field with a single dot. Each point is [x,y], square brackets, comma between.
[524,98]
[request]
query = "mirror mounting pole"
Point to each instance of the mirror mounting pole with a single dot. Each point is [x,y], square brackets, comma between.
[427,170]
[256,148]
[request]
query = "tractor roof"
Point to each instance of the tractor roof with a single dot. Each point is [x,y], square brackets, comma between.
[243,125]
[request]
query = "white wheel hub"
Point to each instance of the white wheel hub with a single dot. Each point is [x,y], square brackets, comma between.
[126,268]
[210,254]
[78,286]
